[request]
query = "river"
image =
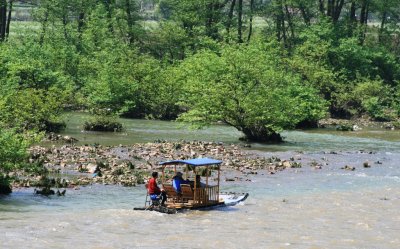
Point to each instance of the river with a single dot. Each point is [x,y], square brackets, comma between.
[296,208]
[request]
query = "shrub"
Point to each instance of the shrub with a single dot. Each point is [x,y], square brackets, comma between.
[13,155]
[103,123]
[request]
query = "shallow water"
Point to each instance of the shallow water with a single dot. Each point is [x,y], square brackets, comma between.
[139,131]
[296,208]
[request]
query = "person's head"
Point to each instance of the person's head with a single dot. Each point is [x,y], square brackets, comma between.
[154,174]
[178,175]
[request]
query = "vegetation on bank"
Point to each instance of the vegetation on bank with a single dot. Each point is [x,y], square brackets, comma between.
[259,66]
[14,156]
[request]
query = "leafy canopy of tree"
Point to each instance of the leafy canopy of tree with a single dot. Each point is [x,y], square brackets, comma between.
[249,88]
[280,61]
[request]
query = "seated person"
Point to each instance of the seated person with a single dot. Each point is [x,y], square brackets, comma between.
[177,180]
[154,191]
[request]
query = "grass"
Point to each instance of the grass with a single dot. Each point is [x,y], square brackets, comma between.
[23,28]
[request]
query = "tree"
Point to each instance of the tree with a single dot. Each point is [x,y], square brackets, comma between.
[248,88]
[6,7]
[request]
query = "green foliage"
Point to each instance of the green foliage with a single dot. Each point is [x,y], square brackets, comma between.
[374,97]
[13,150]
[107,55]
[352,59]
[247,88]
[103,123]
[13,154]
[30,109]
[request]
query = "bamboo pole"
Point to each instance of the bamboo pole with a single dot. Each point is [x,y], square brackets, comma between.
[195,186]
[219,174]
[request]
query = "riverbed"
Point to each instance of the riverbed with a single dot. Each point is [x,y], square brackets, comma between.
[303,207]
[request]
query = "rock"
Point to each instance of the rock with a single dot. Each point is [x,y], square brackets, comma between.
[296,165]
[69,139]
[389,126]
[286,164]
[92,168]
[366,165]
[344,127]
[46,191]
[356,128]
[347,167]
[62,193]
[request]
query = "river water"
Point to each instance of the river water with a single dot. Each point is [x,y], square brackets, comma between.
[297,208]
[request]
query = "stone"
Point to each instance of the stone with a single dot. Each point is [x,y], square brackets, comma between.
[347,167]
[286,164]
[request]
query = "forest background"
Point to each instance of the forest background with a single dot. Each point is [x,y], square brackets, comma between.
[261,66]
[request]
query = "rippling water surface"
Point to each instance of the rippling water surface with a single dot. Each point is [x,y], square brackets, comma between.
[297,208]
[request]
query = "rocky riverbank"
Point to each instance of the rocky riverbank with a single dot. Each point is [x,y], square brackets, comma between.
[357,124]
[73,166]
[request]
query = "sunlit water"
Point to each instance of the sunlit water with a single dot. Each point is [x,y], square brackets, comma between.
[297,208]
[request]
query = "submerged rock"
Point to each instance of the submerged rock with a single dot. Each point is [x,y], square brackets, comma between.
[347,167]
[44,191]
[366,165]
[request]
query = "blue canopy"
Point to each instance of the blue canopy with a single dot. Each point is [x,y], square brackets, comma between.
[194,162]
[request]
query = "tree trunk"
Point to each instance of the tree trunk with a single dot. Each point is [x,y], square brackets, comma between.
[353,12]
[3,19]
[305,14]
[251,20]
[81,22]
[280,22]
[44,27]
[331,4]
[352,19]
[290,21]
[9,18]
[240,21]
[383,22]
[338,10]
[230,17]
[129,20]
[322,6]
[364,12]
[363,20]
[260,134]
[65,22]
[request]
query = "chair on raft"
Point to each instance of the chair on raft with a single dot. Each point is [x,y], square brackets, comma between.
[151,200]
[187,192]
[172,195]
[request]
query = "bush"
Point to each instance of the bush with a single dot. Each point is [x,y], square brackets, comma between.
[31,109]
[103,123]
[13,155]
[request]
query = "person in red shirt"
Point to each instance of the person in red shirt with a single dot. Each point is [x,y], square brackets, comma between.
[154,191]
